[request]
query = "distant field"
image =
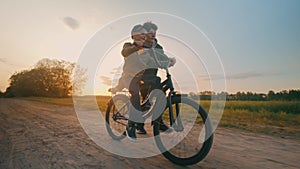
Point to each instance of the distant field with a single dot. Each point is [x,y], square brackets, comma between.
[280,118]
[271,117]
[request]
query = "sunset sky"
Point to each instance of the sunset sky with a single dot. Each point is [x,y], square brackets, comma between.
[257,41]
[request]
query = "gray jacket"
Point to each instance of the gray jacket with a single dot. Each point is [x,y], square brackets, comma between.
[136,63]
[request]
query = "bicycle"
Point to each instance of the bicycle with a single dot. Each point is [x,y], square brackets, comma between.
[177,115]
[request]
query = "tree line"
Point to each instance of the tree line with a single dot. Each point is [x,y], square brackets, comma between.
[48,78]
[53,78]
[284,95]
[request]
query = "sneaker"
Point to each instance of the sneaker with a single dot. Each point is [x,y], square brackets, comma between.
[146,106]
[141,130]
[163,127]
[130,132]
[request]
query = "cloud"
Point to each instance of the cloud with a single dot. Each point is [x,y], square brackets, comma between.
[242,75]
[71,22]
[3,60]
[117,71]
[112,80]
[245,75]
[295,64]
[106,80]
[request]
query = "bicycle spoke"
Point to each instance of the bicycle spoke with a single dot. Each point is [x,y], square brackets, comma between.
[117,116]
[186,144]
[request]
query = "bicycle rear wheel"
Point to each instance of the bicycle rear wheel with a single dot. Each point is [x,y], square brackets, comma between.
[117,116]
[191,137]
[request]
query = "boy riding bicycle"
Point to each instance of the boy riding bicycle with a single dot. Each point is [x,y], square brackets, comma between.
[139,60]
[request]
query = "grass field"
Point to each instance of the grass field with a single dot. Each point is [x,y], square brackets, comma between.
[270,117]
[280,118]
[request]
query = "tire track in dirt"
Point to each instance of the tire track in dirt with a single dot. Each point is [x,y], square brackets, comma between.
[39,135]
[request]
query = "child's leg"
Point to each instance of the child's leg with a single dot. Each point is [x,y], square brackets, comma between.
[135,110]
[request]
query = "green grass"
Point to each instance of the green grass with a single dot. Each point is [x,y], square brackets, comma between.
[269,117]
[280,118]
[262,121]
[289,107]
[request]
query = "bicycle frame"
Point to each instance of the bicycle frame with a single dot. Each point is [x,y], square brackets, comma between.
[165,86]
[176,105]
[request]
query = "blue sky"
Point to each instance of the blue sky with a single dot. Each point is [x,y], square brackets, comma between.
[258,41]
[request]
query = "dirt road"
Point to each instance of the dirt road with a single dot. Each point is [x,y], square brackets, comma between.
[39,135]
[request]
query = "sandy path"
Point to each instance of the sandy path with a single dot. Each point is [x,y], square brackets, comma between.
[38,135]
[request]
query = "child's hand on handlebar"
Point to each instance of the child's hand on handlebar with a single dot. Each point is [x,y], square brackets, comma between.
[172,62]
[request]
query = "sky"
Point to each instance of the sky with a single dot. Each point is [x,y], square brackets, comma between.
[257,42]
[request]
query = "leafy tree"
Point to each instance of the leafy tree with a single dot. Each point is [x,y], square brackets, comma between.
[49,78]
[79,78]
[271,95]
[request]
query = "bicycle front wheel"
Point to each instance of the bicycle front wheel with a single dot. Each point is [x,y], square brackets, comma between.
[117,116]
[190,136]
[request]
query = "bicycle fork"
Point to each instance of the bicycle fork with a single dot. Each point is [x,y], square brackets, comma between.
[176,122]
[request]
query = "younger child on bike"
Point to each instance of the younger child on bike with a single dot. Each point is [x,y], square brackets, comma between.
[134,67]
